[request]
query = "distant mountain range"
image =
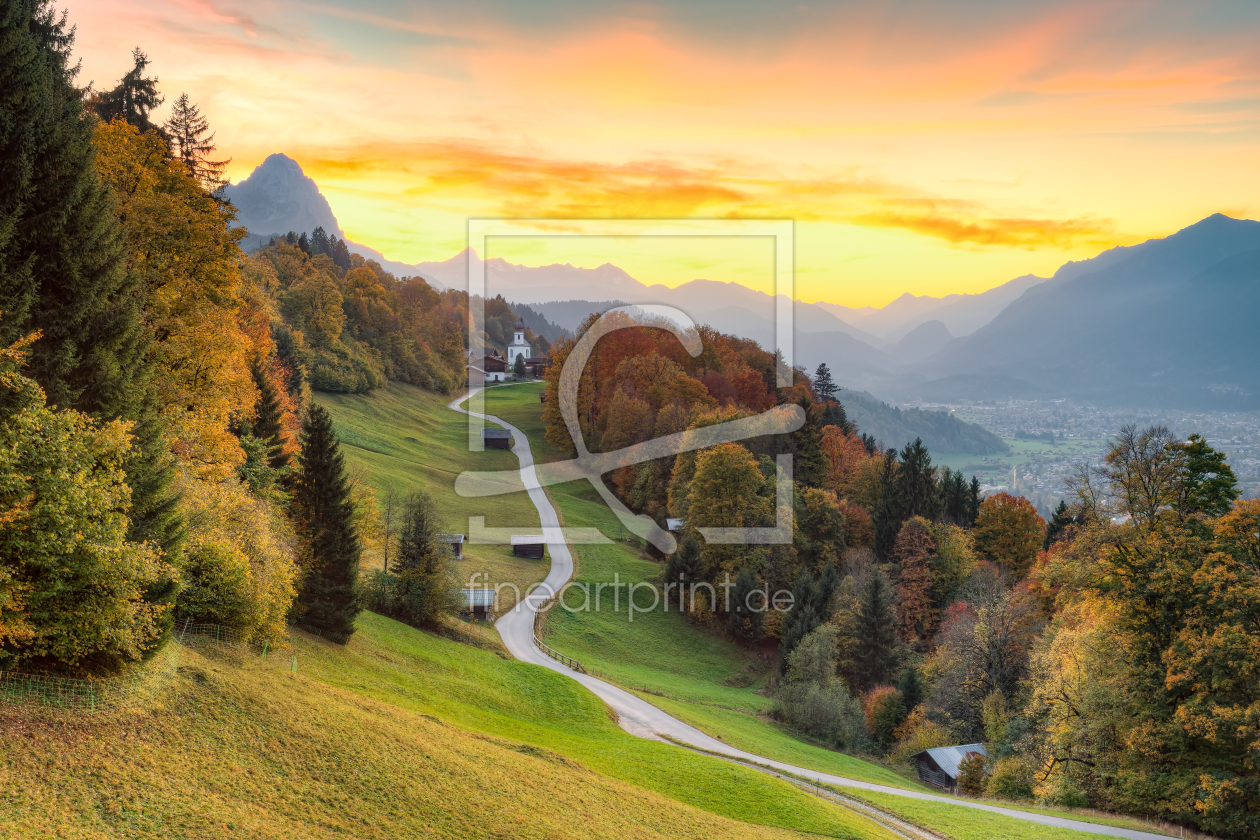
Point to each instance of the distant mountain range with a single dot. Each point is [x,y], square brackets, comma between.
[1169,323]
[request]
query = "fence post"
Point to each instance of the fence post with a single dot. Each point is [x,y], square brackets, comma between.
[216,634]
[181,635]
[266,646]
[92,697]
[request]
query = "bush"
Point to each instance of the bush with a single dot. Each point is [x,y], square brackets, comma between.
[917,734]
[971,775]
[885,711]
[813,701]
[423,588]
[240,561]
[1066,794]
[1010,778]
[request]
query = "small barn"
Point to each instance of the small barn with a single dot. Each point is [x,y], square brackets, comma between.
[456,542]
[939,766]
[528,545]
[674,525]
[479,603]
[537,365]
[496,438]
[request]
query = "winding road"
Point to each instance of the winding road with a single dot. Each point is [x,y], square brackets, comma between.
[638,717]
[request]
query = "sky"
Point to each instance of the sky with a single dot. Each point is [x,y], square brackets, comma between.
[921,147]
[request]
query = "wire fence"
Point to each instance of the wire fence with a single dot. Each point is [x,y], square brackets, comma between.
[142,683]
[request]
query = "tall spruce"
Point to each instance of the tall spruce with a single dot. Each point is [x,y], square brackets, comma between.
[329,598]
[62,259]
[423,590]
[268,426]
[133,99]
[810,464]
[876,652]
[187,131]
[916,482]
[887,516]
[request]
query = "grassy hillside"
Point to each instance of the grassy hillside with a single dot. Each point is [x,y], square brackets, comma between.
[401,734]
[406,438]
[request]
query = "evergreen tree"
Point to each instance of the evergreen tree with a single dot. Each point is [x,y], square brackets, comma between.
[187,129]
[1207,485]
[1061,518]
[911,687]
[268,427]
[813,603]
[329,598]
[916,482]
[744,621]
[887,517]
[518,367]
[423,590]
[304,243]
[62,260]
[827,390]
[686,565]
[973,504]
[876,635]
[339,252]
[133,99]
[809,464]
[824,385]
[872,445]
[319,241]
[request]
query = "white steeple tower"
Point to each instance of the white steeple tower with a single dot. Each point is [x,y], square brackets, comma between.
[519,346]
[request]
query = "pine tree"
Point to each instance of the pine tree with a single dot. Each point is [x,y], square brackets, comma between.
[62,260]
[268,426]
[824,386]
[1061,518]
[916,482]
[339,252]
[810,464]
[423,590]
[876,635]
[319,241]
[329,598]
[304,243]
[973,504]
[744,621]
[911,687]
[518,367]
[186,129]
[887,516]
[133,99]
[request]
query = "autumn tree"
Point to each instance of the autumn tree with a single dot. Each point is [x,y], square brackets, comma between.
[912,554]
[1009,532]
[72,585]
[328,600]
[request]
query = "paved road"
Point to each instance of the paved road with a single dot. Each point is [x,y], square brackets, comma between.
[638,717]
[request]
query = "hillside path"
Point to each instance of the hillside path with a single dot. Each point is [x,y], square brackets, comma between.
[637,716]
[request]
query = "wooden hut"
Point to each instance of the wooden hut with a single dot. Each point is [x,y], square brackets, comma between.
[479,603]
[529,545]
[496,438]
[939,766]
[456,542]
[674,525]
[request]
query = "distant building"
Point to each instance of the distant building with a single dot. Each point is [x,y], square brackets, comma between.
[519,348]
[939,766]
[529,545]
[496,438]
[492,366]
[456,542]
[478,602]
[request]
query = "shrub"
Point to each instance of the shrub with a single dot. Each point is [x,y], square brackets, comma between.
[240,561]
[813,701]
[1010,778]
[884,710]
[917,734]
[971,775]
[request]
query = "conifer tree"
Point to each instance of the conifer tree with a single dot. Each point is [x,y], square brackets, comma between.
[911,687]
[973,505]
[134,97]
[824,385]
[187,130]
[423,590]
[1061,518]
[62,259]
[810,464]
[319,241]
[745,619]
[876,635]
[268,426]
[329,598]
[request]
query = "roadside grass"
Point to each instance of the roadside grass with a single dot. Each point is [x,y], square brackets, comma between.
[405,438]
[243,748]
[478,691]
[963,823]
[518,404]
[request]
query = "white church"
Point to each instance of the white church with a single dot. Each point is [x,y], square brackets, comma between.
[519,348]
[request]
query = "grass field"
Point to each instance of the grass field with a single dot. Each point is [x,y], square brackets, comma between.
[400,734]
[407,438]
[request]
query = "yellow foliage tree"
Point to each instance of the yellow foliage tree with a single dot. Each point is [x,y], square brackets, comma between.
[179,244]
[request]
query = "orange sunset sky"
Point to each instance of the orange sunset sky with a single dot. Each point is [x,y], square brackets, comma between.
[922,147]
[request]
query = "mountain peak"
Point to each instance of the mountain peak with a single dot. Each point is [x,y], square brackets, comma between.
[278,197]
